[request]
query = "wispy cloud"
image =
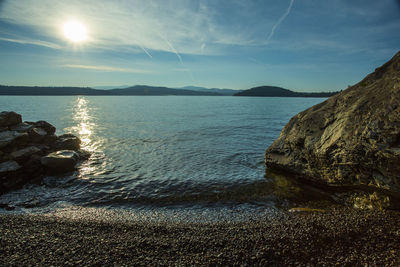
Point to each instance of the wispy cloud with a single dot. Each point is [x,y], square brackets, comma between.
[281,19]
[32,42]
[204,27]
[179,57]
[104,68]
[133,23]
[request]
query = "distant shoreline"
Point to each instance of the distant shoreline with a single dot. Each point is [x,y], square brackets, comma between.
[274,91]
[142,90]
[179,95]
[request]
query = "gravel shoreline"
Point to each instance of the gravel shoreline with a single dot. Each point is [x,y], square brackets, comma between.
[339,236]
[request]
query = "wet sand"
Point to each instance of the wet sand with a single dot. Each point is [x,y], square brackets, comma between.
[339,236]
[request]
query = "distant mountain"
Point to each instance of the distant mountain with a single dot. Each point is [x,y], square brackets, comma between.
[151,90]
[224,91]
[273,91]
[39,90]
[154,90]
[109,87]
[134,90]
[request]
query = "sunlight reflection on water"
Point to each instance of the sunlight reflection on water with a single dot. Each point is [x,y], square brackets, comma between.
[152,152]
[85,127]
[84,124]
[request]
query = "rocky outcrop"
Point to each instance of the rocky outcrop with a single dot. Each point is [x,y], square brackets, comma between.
[352,140]
[9,118]
[30,150]
[68,141]
[61,161]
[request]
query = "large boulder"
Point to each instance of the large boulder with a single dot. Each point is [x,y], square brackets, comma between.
[37,134]
[50,129]
[351,139]
[9,175]
[9,137]
[67,142]
[25,152]
[61,161]
[21,127]
[9,118]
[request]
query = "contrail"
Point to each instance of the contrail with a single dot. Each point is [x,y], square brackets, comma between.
[175,51]
[179,56]
[280,21]
[145,51]
[142,49]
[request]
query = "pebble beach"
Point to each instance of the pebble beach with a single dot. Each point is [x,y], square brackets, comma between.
[339,236]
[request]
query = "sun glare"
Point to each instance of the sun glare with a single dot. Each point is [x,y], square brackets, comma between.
[75,31]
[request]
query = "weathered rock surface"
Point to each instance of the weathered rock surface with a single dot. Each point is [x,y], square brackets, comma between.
[9,166]
[61,161]
[9,118]
[37,134]
[351,139]
[25,152]
[50,129]
[68,142]
[21,127]
[29,150]
[8,137]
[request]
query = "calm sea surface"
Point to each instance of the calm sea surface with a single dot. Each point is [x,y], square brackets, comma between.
[157,152]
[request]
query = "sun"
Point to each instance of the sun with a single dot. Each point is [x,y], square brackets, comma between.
[75,31]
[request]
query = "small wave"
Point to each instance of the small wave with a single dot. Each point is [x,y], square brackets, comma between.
[250,159]
[271,192]
[259,191]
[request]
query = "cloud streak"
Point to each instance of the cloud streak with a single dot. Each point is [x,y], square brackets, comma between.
[135,23]
[179,57]
[281,19]
[145,50]
[104,68]
[205,28]
[32,42]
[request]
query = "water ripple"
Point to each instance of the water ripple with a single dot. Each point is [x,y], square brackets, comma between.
[161,151]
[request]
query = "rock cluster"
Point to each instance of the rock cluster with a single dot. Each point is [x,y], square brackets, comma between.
[29,150]
[352,140]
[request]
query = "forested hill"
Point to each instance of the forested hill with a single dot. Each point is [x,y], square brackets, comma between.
[134,90]
[273,91]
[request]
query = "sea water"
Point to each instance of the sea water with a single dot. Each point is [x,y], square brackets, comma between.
[160,152]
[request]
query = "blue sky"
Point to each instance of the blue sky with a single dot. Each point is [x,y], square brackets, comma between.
[303,45]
